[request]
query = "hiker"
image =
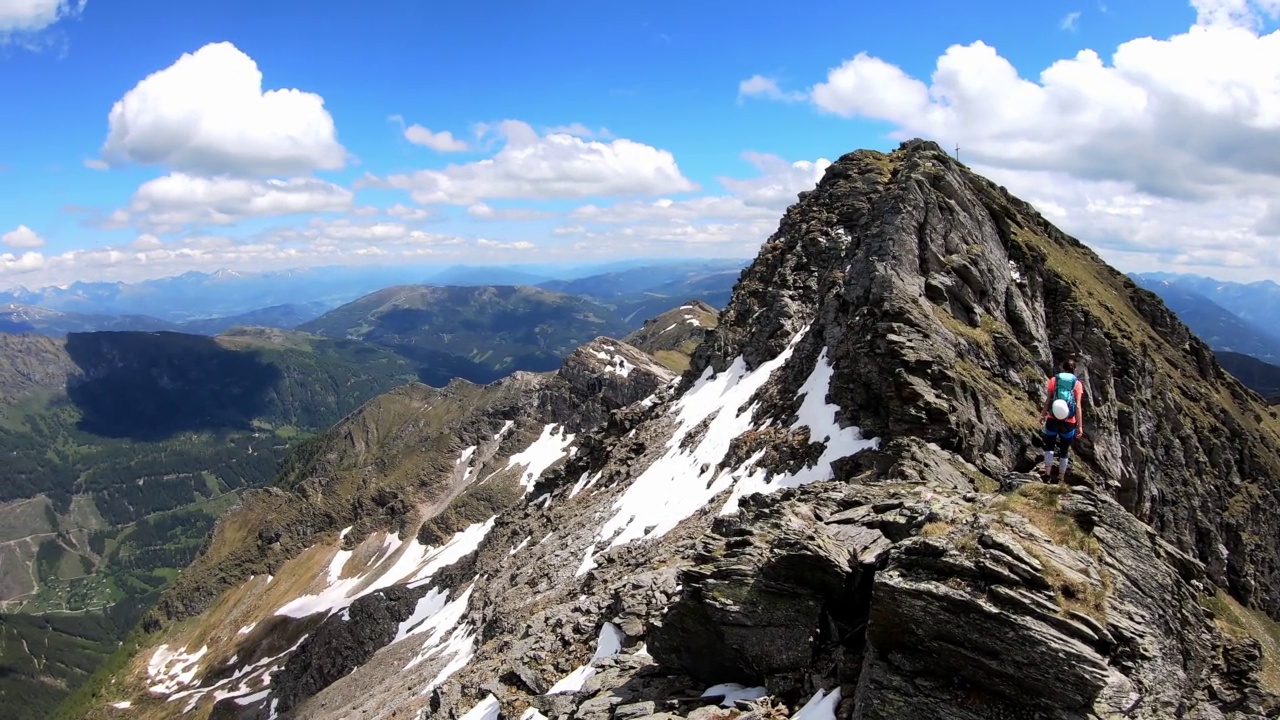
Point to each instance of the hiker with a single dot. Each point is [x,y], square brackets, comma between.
[1063,420]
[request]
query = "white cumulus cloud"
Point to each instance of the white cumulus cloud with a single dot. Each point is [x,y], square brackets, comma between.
[404,212]
[766,87]
[554,165]
[322,232]
[172,202]
[28,16]
[20,264]
[500,245]
[146,241]
[737,221]
[484,211]
[22,238]
[208,114]
[581,130]
[1235,13]
[442,141]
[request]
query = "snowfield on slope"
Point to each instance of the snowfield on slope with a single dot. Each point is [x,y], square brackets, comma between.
[415,565]
[550,446]
[683,481]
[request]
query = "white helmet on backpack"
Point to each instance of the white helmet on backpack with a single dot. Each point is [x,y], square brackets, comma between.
[1060,409]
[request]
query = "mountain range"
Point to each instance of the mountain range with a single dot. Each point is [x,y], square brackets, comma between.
[1235,331]
[479,333]
[17,319]
[1256,303]
[177,303]
[832,513]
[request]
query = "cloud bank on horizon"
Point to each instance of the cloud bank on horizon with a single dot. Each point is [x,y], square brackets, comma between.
[1164,156]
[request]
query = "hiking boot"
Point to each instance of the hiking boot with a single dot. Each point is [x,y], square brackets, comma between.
[1053,473]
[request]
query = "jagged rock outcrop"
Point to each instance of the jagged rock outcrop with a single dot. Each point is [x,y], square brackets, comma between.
[598,378]
[831,508]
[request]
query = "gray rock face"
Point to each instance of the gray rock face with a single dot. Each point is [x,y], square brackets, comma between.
[922,605]
[598,378]
[945,303]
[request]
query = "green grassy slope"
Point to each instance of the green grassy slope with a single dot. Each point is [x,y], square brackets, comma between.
[113,481]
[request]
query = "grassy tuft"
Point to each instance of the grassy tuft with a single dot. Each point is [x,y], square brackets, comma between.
[935,529]
[1038,503]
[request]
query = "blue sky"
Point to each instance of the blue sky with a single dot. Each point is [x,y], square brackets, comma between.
[608,131]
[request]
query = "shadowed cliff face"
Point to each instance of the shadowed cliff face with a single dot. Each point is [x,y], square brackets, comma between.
[830,506]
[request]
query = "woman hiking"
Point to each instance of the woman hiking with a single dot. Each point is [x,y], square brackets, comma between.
[1063,419]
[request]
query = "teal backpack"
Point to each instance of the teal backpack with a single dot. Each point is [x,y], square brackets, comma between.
[1064,389]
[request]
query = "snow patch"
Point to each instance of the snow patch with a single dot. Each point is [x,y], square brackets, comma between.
[608,644]
[245,678]
[122,705]
[1014,273]
[461,648]
[520,547]
[460,643]
[462,544]
[821,419]
[733,692]
[588,561]
[541,455]
[465,457]
[173,669]
[415,564]
[251,699]
[820,707]
[574,681]
[532,714]
[486,709]
[340,559]
[505,427]
[584,482]
[682,481]
[615,363]
[428,606]
[668,327]
[247,629]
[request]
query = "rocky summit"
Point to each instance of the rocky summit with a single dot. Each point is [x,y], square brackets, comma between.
[833,513]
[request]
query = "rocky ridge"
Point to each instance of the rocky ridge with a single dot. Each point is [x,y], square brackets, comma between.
[673,336]
[827,516]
